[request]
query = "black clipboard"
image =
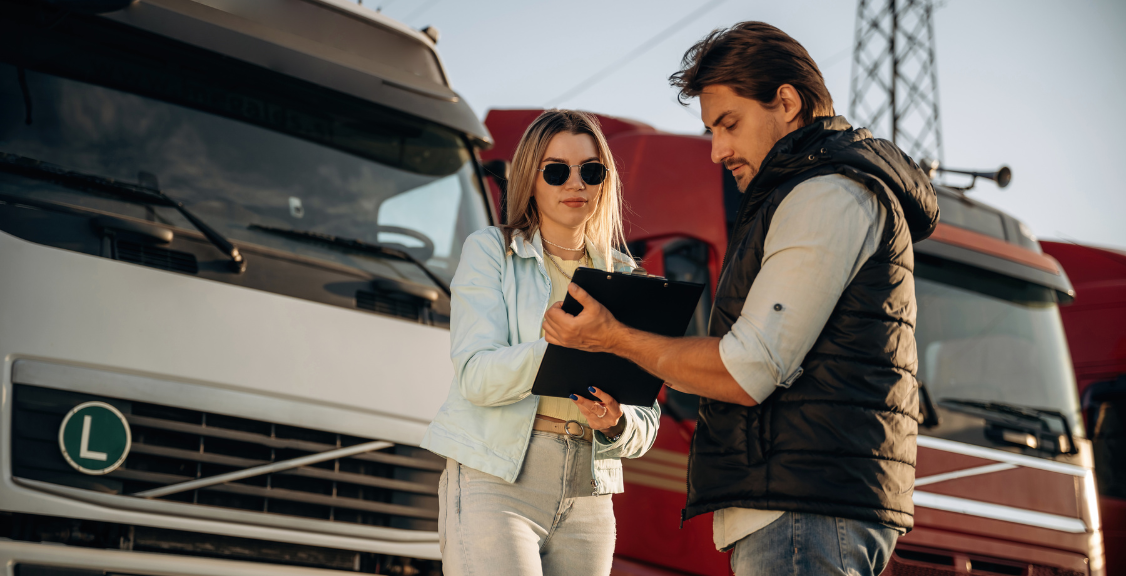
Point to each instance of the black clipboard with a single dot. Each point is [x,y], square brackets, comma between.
[648,303]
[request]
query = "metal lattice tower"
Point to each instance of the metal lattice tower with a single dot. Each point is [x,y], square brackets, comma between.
[894,90]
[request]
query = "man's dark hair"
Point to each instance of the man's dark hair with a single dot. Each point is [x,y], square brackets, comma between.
[754,59]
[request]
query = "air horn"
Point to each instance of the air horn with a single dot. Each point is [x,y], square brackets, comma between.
[1002,176]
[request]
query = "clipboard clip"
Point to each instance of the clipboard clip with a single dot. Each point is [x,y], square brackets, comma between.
[639,271]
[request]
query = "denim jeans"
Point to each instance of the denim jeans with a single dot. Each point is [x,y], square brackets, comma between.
[546,523]
[801,544]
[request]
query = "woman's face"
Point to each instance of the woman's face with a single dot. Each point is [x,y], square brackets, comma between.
[571,204]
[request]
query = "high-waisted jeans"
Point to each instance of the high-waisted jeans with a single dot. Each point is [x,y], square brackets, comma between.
[546,523]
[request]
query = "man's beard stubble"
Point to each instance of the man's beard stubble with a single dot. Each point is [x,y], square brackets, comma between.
[751,171]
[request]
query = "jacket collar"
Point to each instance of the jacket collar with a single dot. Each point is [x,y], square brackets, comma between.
[803,149]
[533,248]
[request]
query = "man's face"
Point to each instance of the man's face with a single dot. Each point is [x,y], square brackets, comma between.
[743,130]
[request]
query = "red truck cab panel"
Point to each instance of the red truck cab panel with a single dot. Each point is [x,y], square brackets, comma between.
[1096,334]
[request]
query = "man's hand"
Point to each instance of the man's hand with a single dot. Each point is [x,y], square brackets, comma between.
[593,330]
[692,365]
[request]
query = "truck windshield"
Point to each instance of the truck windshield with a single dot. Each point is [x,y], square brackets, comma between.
[988,337]
[281,156]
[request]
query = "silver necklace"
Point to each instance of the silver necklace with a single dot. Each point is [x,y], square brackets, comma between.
[560,268]
[581,247]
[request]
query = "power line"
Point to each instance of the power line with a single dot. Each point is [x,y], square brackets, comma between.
[643,48]
[420,11]
[686,109]
[834,59]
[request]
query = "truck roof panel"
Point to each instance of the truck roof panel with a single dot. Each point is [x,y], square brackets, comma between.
[331,43]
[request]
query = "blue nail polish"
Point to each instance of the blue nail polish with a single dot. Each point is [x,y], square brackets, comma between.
[591,388]
[573,397]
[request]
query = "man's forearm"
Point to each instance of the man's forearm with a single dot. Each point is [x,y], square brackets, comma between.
[691,365]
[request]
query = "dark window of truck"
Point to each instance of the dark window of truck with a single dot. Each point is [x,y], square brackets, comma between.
[964,214]
[239,145]
[686,260]
[1104,404]
[987,337]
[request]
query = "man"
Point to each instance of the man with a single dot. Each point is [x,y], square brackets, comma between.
[805,441]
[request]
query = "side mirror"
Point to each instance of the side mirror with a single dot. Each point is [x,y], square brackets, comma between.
[498,171]
[1099,393]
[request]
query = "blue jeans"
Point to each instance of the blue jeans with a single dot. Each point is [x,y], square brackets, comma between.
[803,544]
[547,523]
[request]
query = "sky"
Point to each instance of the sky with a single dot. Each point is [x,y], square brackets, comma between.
[1032,84]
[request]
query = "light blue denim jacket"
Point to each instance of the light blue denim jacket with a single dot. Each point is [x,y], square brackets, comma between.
[499,299]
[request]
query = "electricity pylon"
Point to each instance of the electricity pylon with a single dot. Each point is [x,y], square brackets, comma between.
[894,90]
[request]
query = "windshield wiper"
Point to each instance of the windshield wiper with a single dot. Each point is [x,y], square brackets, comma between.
[357,245]
[139,193]
[1021,425]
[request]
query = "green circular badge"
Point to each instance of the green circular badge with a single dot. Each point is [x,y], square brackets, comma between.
[94,438]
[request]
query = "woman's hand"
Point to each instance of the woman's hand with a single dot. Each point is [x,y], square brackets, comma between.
[604,416]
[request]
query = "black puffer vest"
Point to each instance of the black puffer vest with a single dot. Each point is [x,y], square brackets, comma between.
[840,440]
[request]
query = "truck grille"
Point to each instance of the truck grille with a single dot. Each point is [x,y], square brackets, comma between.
[396,487]
[400,305]
[909,561]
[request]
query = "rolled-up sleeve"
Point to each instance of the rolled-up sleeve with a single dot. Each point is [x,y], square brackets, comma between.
[820,235]
[637,438]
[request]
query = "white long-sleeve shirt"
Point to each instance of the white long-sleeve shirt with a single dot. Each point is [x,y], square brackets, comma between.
[820,236]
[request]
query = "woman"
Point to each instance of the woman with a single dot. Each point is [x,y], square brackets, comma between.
[528,479]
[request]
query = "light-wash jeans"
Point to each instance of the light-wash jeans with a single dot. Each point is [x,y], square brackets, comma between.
[801,544]
[548,522]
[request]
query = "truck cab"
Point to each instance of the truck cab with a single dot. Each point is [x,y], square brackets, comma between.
[227,231]
[1096,334]
[1004,480]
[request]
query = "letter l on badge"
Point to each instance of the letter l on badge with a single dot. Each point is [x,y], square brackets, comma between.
[84,451]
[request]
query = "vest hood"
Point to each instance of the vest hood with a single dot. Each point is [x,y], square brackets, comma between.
[832,140]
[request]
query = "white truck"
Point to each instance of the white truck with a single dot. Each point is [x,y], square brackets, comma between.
[227,229]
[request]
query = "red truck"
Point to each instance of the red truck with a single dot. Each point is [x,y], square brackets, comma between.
[1005,481]
[1096,334]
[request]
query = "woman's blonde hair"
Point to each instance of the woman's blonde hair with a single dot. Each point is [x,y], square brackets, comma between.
[604,228]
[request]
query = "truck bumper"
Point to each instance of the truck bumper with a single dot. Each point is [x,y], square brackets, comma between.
[31,559]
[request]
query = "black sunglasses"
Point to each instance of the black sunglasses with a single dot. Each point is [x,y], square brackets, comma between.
[556,173]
